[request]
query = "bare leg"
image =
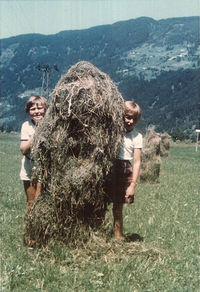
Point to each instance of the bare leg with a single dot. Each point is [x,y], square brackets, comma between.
[118,219]
[32,190]
[38,189]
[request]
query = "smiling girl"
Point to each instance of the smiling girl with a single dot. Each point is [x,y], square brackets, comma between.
[35,107]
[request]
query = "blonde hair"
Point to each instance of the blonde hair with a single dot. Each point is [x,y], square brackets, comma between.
[34,100]
[133,109]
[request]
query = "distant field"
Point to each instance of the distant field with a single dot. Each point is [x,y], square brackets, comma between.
[159,252]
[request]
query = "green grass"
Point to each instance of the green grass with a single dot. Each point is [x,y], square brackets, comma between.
[164,218]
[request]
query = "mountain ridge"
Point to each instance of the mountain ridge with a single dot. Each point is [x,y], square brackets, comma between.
[138,54]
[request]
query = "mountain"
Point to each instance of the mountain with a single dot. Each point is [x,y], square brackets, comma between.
[155,63]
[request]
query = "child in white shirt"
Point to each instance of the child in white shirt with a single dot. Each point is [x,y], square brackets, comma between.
[127,165]
[35,107]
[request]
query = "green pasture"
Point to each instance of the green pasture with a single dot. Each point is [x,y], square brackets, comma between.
[159,251]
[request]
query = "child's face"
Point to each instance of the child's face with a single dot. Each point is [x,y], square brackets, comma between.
[129,122]
[37,112]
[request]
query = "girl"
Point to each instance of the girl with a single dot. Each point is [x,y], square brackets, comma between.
[35,107]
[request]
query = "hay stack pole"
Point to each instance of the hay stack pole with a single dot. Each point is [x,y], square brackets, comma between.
[73,150]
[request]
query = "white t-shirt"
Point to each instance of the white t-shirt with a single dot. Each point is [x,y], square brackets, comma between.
[130,141]
[27,131]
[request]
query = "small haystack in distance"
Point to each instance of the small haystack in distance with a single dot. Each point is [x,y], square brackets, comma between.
[73,150]
[165,144]
[150,160]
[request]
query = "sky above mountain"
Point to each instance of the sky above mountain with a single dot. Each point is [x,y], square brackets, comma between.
[52,16]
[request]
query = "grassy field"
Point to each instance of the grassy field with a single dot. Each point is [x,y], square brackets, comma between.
[159,252]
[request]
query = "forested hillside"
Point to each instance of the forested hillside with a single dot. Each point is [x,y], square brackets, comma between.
[156,63]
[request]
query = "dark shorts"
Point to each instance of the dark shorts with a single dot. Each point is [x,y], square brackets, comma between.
[121,179]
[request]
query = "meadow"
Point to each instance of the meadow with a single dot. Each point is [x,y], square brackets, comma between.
[159,251]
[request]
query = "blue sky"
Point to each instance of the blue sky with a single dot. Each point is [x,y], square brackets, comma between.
[52,16]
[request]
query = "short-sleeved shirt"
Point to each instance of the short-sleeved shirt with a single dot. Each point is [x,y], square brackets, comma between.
[130,141]
[27,131]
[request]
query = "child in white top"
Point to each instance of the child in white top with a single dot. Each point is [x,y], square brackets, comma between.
[35,107]
[127,165]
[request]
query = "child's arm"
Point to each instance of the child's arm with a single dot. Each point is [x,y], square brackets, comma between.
[25,146]
[136,170]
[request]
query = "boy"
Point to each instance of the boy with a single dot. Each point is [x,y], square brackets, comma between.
[35,107]
[126,174]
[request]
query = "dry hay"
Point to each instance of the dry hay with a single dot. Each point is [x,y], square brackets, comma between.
[74,148]
[165,144]
[150,161]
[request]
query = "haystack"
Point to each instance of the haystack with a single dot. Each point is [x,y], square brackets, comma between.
[73,150]
[165,144]
[150,161]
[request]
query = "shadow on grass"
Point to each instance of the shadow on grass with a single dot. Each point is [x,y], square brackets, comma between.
[133,237]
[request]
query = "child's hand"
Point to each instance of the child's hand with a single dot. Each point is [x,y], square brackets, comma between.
[130,193]
[130,190]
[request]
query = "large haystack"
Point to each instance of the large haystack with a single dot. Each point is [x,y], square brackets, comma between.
[150,162]
[73,151]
